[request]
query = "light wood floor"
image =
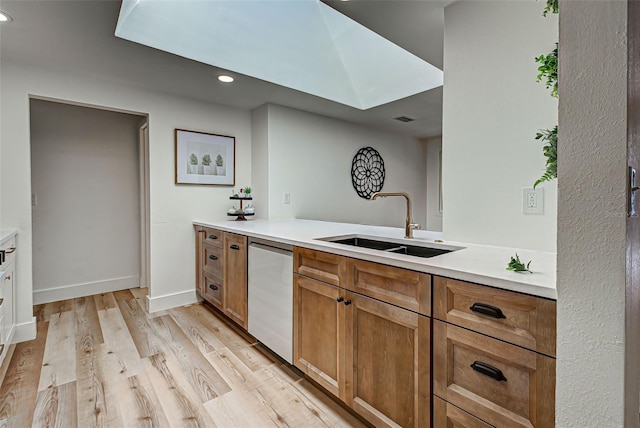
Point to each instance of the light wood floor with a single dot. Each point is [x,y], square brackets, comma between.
[103,361]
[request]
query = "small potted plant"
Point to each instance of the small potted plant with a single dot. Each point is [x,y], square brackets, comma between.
[193,164]
[206,164]
[220,165]
[247,192]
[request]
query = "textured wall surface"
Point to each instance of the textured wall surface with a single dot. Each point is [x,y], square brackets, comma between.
[591,214]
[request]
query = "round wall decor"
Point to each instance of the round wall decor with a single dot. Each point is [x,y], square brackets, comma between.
[367,172]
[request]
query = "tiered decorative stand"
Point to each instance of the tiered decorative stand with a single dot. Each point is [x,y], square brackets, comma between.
[241,216]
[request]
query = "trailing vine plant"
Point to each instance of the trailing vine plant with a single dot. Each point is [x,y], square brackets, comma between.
[548,73]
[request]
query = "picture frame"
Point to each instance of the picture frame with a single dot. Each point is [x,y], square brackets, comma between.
[204,158]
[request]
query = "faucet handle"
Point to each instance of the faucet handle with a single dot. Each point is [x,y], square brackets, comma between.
[414,226]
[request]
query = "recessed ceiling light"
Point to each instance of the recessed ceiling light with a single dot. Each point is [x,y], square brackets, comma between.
[4,17]
[224,78]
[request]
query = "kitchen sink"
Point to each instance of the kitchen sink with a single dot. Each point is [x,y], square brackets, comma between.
[390,245]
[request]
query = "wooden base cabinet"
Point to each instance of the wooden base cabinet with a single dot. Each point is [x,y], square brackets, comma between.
[370,354]
[221,271]
[446,415]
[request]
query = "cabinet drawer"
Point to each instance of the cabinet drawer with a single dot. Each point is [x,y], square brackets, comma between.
[446,415]
[213,290]
[500,383]
[9,248]
[405,288]
[521,319]
[326,267]
[213,237]
[213,261]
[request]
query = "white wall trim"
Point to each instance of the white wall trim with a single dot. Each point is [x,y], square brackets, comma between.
[85,289]
[25,331]
[173,300]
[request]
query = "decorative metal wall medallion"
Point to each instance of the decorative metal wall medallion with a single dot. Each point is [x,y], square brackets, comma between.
[367,172]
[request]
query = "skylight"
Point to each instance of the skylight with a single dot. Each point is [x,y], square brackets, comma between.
[301,44]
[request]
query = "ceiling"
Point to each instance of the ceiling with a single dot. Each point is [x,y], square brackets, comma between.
[72,35]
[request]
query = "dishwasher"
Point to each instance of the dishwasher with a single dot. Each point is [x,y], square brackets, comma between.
[270,295]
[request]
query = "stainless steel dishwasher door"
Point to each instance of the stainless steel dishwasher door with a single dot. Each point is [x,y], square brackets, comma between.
[270,297]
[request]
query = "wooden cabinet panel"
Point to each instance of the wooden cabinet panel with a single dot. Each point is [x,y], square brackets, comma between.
[388,377]
[405,288]
[330,268]
[213,290]
[235,277]
[199,230]
[318,332]
[446,415]
[500,383]
[521,319]
[213,237]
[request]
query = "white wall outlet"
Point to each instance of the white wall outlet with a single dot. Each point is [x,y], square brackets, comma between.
[532,200]
[286,198]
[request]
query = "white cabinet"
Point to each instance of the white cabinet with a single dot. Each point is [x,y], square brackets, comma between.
[7,293]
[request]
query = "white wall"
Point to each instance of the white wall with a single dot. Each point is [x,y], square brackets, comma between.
[592,216]
[86,222]
[310,157]
[434,215]
[492,109]
[173,208]
[260,160]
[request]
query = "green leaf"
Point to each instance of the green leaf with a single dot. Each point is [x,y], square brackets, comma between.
[550,151]
[517,266]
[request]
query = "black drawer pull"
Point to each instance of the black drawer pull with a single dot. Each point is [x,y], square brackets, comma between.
[488,370]
[347,302]
[234,247]
[213,287]
[213,237]
[212,257]
[1,302]
[340,299]
[484,309]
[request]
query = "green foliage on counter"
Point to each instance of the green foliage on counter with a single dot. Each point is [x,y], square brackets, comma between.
[517,266]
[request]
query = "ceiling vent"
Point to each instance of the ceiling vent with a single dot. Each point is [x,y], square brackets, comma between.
[404,119]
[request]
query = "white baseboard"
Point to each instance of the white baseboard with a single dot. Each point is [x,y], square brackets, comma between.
[86,289]
[24,331]
[173,300]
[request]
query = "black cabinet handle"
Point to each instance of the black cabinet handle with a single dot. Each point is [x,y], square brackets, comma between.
[234,247]
[1,302]
[213,287]
[212,257]
[213,237]
[2,256]
[484,309]
[488,370]
[340,299]
[347,302]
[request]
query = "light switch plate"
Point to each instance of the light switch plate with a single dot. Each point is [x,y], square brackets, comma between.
[532,200]
[286,198]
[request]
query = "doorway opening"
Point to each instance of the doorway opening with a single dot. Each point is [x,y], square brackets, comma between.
[90,199]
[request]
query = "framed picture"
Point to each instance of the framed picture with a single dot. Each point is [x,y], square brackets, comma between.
[203,158]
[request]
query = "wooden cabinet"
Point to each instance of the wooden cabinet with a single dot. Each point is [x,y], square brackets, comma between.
[221,271]
[326,267]
[493,355]
[446,415]
[235,277]
[372,355]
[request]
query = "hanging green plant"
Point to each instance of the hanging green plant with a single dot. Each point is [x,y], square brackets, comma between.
[548,73]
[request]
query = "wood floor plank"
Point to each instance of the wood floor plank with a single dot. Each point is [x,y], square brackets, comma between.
[59,361]
[200,334]
[44,311]
[141,332]
[56,407]
[88,330]
[233,370]
[237,409]
[105,301]
[180,403]
[119,343]
[204,379]
[232,340]
[139,404]
[20,387]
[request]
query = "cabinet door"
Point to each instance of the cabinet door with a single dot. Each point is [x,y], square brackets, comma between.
[213,290]
[318,332]
[7,312]
[388,363]
[235,278]
[199,230]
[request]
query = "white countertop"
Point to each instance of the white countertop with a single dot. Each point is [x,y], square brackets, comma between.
[482,264]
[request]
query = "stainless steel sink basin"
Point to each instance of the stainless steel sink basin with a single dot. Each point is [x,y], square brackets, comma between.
[391,245]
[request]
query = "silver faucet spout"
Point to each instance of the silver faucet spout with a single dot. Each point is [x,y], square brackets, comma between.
[408,225]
